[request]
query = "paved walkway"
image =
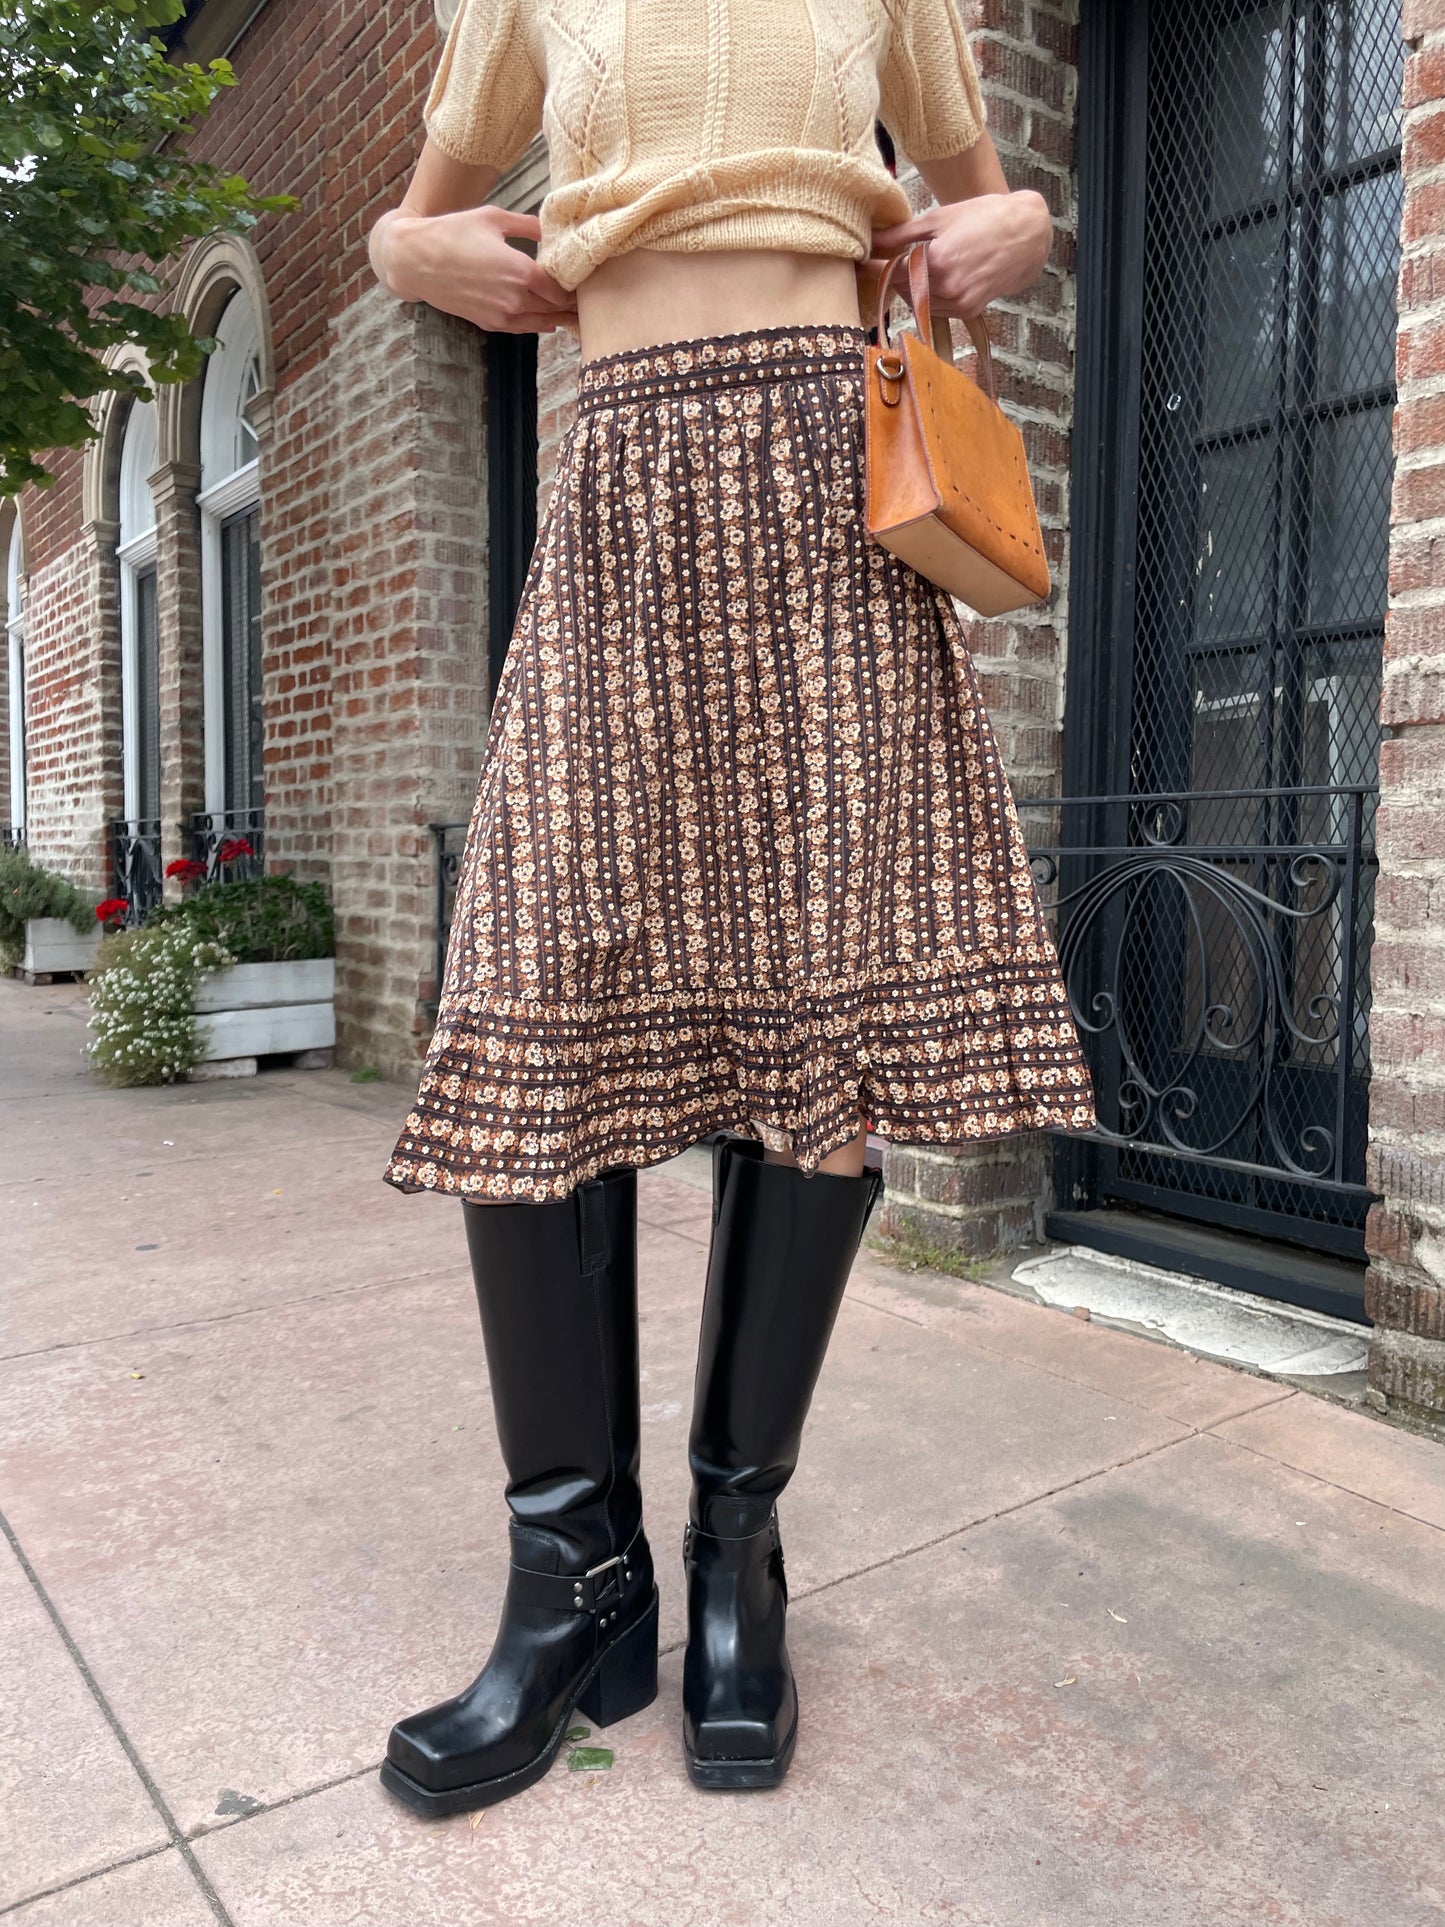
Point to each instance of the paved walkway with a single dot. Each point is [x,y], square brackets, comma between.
[1088,1631]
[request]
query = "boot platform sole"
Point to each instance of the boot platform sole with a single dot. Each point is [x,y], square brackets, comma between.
[621,1680]
[737,1776]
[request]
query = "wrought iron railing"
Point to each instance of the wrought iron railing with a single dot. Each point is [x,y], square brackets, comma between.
[12,836]
[1215,946]
[135,847]
[231,843]
[447,842]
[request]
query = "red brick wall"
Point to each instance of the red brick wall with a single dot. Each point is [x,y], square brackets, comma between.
[73,706]
[328,108]
[409,658]
[178,627]
[1405,1285]
[298,572]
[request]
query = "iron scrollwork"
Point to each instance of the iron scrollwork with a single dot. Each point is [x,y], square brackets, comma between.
[1145,937]
[136,864]
[448,840]
[231,843]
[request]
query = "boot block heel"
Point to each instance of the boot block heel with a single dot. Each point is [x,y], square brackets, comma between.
[626,1680]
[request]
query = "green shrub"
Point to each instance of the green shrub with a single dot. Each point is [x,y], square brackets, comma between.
[28,891]
[143,1002]
[267,919]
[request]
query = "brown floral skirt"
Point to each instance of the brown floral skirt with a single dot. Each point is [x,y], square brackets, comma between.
[743,855]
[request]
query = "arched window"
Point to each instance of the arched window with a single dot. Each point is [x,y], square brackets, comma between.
[139,637]
[229,501]
[15,673]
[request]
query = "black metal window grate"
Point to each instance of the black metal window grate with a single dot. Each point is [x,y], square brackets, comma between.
[1220,870]
[1271,256]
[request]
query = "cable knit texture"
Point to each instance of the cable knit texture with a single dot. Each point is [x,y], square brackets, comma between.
[702,124]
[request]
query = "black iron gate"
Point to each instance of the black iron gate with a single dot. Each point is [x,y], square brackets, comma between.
[1240,208]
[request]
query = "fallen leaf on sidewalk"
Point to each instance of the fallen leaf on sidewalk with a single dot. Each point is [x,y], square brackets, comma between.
[477,1818]
[1113,1615]
[137,1374]
[1072,1680]
[575,1733]
[587,1759]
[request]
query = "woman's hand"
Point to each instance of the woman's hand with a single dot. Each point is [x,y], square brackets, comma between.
[979,249]
[462,262]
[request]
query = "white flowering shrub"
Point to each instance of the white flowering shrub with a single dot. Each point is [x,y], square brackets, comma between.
[143,1003]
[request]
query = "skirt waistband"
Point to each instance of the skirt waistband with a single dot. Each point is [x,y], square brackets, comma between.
[708,363]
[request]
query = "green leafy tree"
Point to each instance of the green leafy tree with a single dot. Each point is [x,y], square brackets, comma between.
[96,194]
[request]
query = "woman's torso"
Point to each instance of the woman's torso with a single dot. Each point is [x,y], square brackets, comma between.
[681,130]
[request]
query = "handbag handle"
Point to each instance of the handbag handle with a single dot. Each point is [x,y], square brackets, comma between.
[937,331]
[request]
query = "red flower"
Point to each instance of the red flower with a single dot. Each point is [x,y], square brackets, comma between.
[232,848]
[186,868]
[113,910]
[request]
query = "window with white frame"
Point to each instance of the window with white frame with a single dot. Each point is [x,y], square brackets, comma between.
[139,636]
[229,502]
[15,673]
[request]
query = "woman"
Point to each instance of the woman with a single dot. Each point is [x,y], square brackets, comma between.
[743,860]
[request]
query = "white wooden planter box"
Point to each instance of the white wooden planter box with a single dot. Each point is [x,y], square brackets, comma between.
[253,1010]
[53,944]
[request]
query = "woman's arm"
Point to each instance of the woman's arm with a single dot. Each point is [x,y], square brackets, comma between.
[984,241]
[444,246]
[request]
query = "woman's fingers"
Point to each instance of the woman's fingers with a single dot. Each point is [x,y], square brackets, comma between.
[893,240]
[542,291]
[508,220]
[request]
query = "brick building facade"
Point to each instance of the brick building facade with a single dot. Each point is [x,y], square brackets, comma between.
[294,636]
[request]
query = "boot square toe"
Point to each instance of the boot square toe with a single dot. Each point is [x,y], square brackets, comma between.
[437,1759]
[439,1786]
[424,1759]
[728,1755]
[736,1739]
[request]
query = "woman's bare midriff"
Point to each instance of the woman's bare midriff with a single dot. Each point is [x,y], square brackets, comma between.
[648,296]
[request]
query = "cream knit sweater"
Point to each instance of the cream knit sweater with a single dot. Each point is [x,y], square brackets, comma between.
[699,124]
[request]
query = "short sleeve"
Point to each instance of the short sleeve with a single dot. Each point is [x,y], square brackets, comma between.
[485,102]
[929,96]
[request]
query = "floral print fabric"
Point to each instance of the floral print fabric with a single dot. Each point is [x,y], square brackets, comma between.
[743,856]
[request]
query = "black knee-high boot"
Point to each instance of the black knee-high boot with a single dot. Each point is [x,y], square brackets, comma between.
[782,1248]
[557,1287]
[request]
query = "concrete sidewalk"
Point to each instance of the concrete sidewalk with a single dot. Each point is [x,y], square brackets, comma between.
[1087,1630]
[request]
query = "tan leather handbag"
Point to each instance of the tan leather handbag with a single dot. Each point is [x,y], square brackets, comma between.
[947,483]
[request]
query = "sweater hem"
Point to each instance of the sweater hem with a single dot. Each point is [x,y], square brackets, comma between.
[709,209]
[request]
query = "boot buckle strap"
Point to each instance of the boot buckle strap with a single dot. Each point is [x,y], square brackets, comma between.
[734,1552]
[598,1592]
[577,1592]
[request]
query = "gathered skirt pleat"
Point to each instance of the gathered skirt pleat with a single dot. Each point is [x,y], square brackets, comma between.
[743,855]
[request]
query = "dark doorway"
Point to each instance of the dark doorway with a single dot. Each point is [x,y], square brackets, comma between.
[511,484]
[1240,209]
